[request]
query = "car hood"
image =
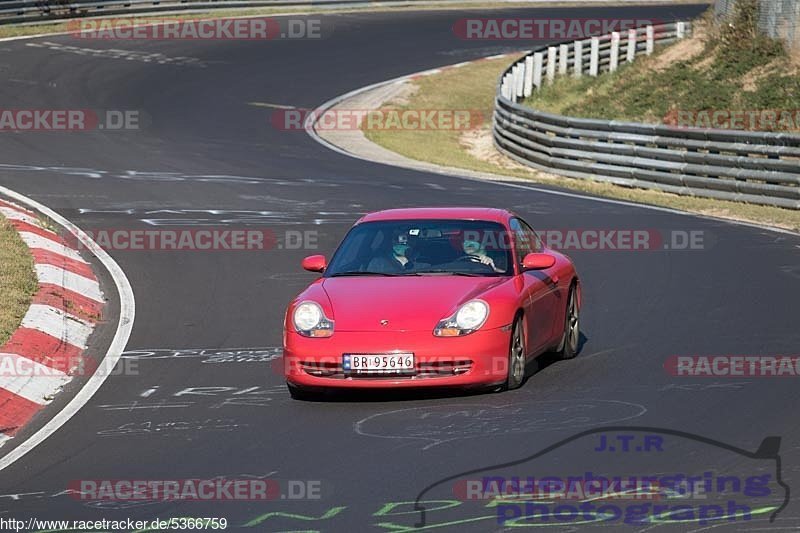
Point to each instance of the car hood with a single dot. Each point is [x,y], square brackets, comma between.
[409,303]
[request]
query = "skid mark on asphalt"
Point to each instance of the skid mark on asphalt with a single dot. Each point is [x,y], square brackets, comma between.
[127,55]
[445,423]
[228,217]
[704,387]
[136,405]
[206,355]
[172,427]
[169,176]
[134,175]
[216,397]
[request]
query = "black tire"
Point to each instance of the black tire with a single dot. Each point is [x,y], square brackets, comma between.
[299,394]
[572,332]
[516,357]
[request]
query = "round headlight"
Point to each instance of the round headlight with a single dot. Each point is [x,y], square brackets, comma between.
[307,316]
[472,314]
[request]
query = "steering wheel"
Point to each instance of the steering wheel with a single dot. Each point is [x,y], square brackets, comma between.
[468,259]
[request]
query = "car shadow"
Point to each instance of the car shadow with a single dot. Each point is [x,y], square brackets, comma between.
[391,395]
[550,358]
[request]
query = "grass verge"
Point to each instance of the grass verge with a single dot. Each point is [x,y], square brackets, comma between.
[731,69]
[472,87]
[17,279]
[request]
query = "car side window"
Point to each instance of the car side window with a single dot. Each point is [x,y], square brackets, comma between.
[522,241]
[535,242]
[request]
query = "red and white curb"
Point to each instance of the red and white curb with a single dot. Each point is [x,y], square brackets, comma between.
[45,352]
[126,315]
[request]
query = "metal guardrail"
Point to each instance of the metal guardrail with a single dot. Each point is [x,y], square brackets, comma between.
[38,11]
[44,11]
[754,167]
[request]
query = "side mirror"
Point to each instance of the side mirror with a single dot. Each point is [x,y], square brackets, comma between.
[314,263]
[538,261]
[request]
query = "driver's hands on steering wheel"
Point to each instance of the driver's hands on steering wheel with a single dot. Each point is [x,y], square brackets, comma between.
[485,260]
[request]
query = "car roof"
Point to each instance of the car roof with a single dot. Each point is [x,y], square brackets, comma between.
[457,213]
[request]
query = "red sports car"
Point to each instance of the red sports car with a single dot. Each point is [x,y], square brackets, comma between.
[431,297]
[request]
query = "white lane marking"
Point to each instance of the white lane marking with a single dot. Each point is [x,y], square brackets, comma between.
[58,324]
[37,241]
[455,173]
[271,106]
[149,391]
[15,214]
[127,313]
[69,280]
[30,380]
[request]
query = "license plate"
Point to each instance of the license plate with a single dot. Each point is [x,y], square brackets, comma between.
[395,363]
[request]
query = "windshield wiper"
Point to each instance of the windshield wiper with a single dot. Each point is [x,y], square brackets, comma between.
[362,273]
[451,273]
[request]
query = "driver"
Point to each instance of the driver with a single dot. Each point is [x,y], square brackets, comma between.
[398,260]
[473,250]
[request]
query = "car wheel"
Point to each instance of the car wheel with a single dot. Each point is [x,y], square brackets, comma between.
[299,394]
[572,332]
[516,357]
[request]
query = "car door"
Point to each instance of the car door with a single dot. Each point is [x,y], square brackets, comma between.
[541,292]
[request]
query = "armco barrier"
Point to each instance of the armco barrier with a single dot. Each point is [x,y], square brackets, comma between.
[37,11]
[755,167]
[33,11]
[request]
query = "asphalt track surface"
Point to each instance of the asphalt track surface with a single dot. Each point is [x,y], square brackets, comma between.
[737,295]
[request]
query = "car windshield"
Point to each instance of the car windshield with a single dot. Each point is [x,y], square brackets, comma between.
[424,248]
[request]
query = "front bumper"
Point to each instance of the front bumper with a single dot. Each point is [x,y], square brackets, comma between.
[475,360]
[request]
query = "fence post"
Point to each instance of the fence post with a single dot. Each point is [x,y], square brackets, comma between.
[594,58]
[650,40]
[504,88]
[631,52]
[527,88]
[578,62]
[563,56]
[520,87]
[680,30]
[551,63]
[538,59]
[514,78]
[614,59]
